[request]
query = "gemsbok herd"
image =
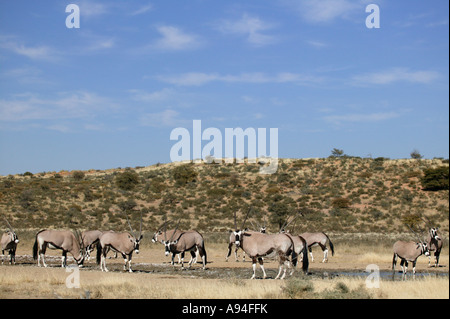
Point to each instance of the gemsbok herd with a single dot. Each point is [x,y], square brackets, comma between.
[284,246]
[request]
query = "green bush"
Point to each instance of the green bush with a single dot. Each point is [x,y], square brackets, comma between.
[435,179]
[127,180]
[184,174]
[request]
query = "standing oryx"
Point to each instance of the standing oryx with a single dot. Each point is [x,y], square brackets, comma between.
[90,239]
[258,245]
[9,242]
[179,243]
[318,239]
[409,251]
[65,240]
[231,240]
[434,244]
[160,236]
[124,243]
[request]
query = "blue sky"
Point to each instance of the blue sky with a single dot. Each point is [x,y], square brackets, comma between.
[109,93]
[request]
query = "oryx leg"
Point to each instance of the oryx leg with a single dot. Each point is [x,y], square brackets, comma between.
[202,254]
[103,259]
[325,253]
[229,252]
[13,256]
[194,256]
[254,267]
[284,264]
[311,254]
[436,259]
[64,259]
[41,253]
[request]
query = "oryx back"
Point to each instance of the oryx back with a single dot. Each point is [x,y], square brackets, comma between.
[408,250]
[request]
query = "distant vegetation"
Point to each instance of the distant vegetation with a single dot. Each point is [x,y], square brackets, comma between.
[337,194]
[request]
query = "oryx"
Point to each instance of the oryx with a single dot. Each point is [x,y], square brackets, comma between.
[258,245]
[318,239]
[9,243]
[435,243]
[65,240]
[231,240]
[90,239]
[160,236]
[190,241]
[409,251]
[300,247]
[124,243]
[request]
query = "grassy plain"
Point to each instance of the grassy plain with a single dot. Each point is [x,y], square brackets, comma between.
[155,278]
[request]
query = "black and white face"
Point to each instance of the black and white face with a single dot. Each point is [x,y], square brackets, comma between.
[168,246]
[136,244]
[237,237]
[433,233]
[425,250]
[13,237]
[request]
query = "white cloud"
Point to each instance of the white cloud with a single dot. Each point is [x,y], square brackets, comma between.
[396,75]
[324,11]
[167,118]
[251,28]
[33,52]
[197,78]
[75,105]
[142,9]
[174,39]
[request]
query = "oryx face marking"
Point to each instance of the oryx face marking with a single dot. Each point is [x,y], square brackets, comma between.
[237,237]
[433,233]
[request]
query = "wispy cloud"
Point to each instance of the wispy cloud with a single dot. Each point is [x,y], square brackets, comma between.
[396,75]
[90,8]
[167,118]
[324,11]
[142,10]
[197,79]
[41,52]
[361,118]
[74,105]
[250,27]
[174,39]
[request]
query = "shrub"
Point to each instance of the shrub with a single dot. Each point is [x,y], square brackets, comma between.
[127,180]
[341,202]
[78,175]
[435,179]
[184,174]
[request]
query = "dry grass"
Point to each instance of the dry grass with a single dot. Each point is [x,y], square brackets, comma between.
[25,281]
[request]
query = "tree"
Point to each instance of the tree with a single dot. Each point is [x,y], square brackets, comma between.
[415,154]
[337,152]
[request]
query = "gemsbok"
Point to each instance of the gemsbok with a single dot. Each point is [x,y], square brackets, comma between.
[124,243]
[159,236]
[408,251]
[191,241]
[90,239]
[435,243]
[9,243]
[318,239]
[65,240]
[258,246]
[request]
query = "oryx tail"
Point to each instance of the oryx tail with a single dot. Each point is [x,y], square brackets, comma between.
[331,244]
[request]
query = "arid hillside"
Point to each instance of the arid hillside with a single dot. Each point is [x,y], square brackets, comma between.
[334,194]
